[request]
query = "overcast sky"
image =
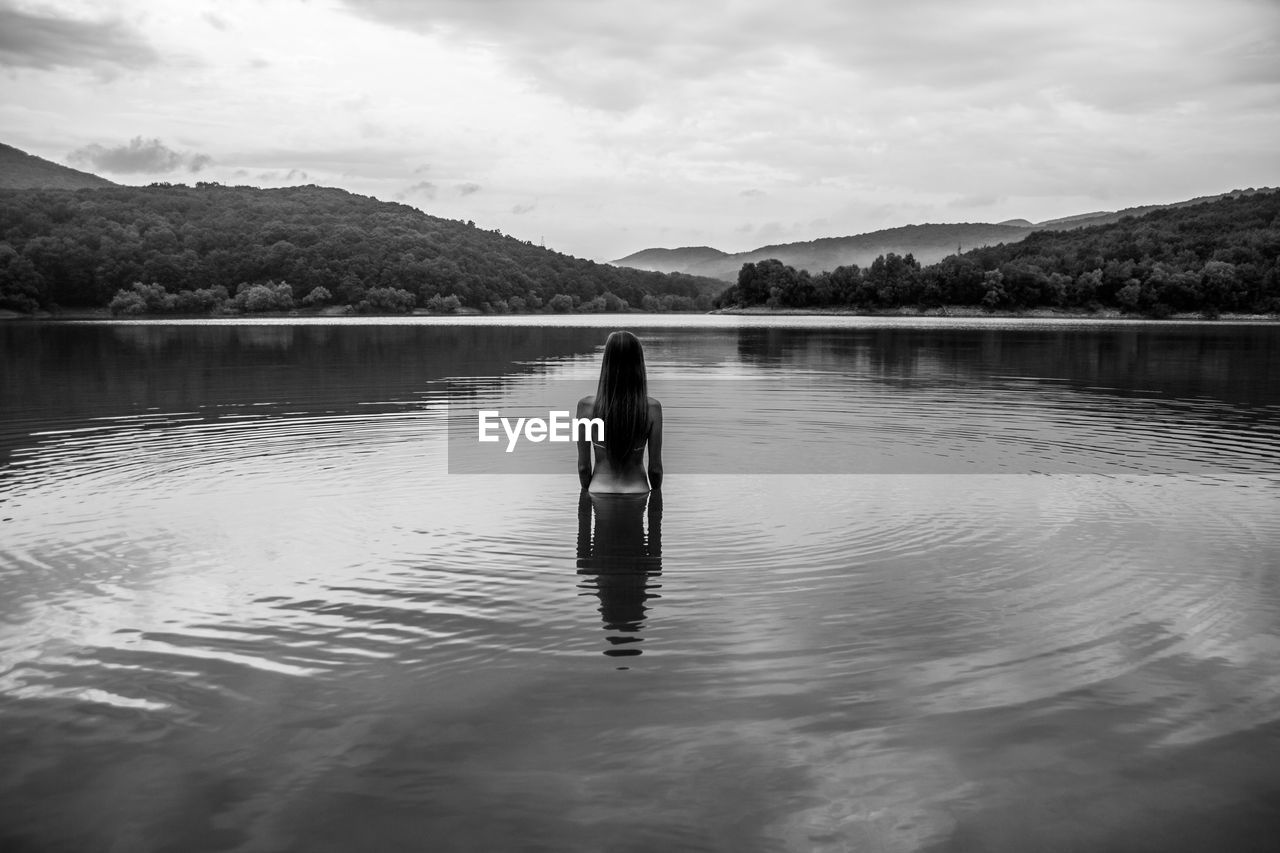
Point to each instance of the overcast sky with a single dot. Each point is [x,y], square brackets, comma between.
[607,127]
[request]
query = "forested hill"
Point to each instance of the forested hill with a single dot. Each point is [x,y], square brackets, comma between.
[928,243]
[1215,256]
[20,170]
[206,247]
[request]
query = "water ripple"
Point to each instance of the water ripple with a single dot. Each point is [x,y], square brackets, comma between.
[293,606]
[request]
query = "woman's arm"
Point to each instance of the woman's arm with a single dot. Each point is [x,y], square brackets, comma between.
[655,523]
[585,405]
[584,526]
[655,444]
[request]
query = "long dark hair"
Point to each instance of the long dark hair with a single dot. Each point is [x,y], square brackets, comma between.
[622,397]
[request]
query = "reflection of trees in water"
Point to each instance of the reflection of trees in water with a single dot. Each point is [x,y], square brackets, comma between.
[1223,363]
[618,559]
[107,370]
[66,372]
[886,353]
[765,346]
[161,338]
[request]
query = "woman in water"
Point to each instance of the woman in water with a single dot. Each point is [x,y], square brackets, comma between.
[632,421]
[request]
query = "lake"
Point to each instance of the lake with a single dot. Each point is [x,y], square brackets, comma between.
[910,585]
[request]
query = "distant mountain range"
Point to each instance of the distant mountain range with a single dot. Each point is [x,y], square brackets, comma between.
[22,171]
[929,243]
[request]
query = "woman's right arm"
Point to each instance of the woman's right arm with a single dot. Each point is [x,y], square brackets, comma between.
[655,444]
[584,446]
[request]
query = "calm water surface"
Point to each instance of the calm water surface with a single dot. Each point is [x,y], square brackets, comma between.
[245,606]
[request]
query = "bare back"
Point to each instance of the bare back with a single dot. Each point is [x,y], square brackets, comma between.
[632,476]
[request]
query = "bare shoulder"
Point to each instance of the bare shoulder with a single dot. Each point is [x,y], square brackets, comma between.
[586,405]
[655,408]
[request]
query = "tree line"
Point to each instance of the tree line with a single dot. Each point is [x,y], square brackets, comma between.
[220,249]
[1218,256]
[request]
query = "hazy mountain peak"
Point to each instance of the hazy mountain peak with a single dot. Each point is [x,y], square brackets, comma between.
[670,260]
[928,242]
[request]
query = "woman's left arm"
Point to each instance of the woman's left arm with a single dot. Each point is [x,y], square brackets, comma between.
[655,444]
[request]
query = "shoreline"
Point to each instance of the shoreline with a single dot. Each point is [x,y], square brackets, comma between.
[951,312]
[973,312]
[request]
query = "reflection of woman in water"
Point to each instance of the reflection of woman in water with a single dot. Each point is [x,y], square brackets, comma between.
[618,560]
[632,421]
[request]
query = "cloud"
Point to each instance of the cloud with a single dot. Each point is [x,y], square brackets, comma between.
[468,188]
[521,209]
[138,156]
[1125,57]
[273,176]
[380,161]
[770,232]
[30,40]
[607,56]
[422,188]
[753,193]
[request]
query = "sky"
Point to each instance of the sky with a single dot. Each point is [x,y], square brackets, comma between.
[601,128]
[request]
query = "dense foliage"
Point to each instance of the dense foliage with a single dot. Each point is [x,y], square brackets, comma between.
[213,248]
[1218,256]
